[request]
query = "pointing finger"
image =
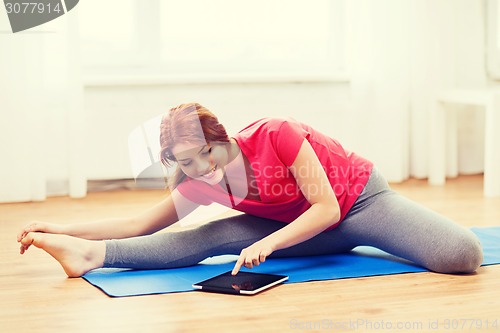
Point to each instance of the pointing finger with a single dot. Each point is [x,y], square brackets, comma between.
[237,266]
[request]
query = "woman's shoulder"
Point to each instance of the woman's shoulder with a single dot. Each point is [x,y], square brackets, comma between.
[268,124]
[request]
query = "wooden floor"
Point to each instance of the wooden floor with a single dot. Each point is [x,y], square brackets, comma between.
[37,297]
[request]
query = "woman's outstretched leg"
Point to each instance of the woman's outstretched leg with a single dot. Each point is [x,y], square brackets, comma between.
[174,249]
[225,236]
[77,256]
[187,247]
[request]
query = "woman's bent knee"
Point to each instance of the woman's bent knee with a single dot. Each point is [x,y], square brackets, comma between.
[467,257]
[472,256]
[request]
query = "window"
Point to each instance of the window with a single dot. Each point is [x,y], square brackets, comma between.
[217,40]
[109,33]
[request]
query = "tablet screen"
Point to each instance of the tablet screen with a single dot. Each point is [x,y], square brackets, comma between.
[242,283]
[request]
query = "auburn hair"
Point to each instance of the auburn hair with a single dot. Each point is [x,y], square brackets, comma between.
[182,124]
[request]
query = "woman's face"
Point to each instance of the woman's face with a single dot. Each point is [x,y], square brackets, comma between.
[204,162]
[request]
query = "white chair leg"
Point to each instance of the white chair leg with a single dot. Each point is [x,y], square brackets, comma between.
[437,157]
[492,147]
[451,134]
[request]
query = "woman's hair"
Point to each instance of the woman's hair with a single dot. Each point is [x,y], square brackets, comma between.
[182,125]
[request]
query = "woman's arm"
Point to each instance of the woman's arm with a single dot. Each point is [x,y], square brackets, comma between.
[154,219]
[324,211]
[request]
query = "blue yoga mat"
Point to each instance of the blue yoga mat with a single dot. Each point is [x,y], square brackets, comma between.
[362,261]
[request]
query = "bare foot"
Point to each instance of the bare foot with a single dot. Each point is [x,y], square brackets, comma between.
[77,256]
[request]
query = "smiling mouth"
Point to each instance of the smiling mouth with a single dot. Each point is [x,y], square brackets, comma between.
[211,173]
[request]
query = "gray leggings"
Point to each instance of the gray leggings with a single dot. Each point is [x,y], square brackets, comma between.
[380,218]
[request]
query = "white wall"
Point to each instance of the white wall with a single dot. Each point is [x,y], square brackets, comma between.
[113,112]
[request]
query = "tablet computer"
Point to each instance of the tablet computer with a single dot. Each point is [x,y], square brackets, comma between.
[243,283]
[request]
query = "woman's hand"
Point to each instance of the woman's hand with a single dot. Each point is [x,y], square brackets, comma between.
[253,255]
[37,226]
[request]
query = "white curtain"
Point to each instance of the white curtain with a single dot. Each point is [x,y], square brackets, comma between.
[403,53]
[41,112]
[21,174]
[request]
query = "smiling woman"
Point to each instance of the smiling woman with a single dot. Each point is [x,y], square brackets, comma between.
[203,163]
[292,213]
[190,129]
